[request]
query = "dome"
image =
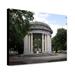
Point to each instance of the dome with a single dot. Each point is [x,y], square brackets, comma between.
[40,26]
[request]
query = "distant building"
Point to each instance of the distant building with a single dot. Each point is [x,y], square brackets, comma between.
[38,39]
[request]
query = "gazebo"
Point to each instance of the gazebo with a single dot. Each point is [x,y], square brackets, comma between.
[38,39]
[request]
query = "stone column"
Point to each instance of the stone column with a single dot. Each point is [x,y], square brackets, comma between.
[42,43]
[45,42]
[31,43]
[50,45]
[26,45]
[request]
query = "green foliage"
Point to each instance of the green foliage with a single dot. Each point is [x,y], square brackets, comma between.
[19,24]
[59,42]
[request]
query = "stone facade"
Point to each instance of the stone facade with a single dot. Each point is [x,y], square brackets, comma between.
[36,45]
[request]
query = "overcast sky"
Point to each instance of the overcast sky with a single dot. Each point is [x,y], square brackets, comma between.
[55,21]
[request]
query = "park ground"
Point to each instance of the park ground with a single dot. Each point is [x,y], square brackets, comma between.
[39,58]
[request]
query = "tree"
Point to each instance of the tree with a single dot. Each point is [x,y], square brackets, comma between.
[59,42]
[19,24]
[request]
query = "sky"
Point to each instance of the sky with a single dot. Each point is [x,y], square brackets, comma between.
[55,21]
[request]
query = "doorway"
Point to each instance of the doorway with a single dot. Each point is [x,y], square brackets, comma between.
[37,43]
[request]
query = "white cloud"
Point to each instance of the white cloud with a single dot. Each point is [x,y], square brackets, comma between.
[55,27]
[42,17]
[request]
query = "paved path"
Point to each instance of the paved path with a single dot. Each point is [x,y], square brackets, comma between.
[14,60]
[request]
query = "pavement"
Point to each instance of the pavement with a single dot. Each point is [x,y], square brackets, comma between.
[39,58]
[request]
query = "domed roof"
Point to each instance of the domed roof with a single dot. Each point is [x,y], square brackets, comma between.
[40,26]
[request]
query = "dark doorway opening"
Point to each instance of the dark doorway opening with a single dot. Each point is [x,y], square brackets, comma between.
[37,43]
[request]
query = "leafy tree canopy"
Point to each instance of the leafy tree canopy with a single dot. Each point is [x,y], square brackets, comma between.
[19,23]
[59,42]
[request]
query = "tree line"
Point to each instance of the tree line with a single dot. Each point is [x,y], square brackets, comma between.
[59,41]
